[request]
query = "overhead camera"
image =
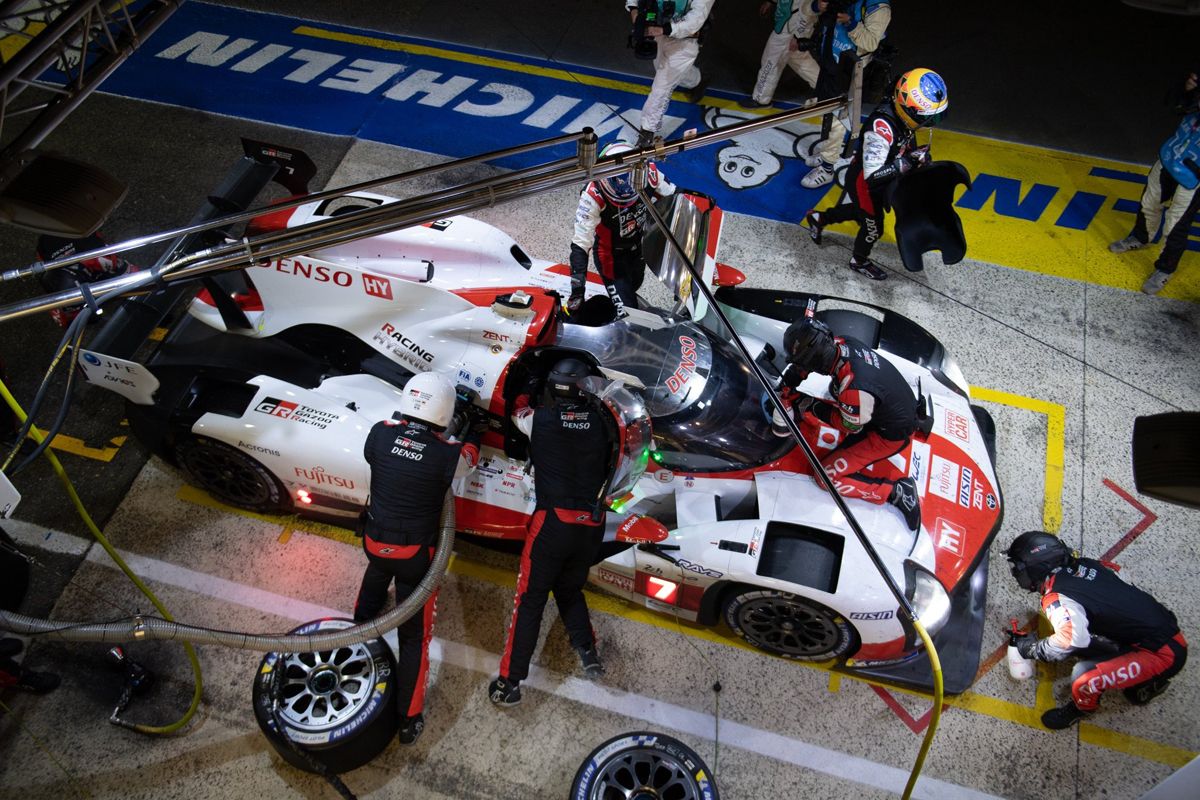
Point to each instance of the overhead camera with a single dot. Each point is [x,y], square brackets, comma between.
[649,15]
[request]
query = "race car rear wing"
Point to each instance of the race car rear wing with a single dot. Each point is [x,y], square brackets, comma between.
[137,317]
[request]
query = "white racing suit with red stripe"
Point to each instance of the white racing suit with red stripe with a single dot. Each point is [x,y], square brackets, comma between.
[613,233]
[570,447]
[1124,635]
[875,411]
[412,466]
[878,160]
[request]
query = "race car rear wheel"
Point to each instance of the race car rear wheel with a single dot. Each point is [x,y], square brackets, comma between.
[643,766]
[788,625]
[231,476]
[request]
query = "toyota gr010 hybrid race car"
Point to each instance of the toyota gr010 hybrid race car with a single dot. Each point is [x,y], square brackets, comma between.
[268,388]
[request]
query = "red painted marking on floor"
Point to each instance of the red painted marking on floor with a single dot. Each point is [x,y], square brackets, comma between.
[1134,532]
[915,724]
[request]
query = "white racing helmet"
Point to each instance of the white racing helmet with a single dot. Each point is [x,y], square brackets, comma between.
[429,397]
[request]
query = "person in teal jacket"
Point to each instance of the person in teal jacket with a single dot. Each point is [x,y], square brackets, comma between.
[1173,179]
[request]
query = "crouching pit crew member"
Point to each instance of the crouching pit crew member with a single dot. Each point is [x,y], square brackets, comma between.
[873,408]
[570,445]
[412,466]
[1124,638]
[609,223]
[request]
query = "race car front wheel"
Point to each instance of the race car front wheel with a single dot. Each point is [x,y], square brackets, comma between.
[337,706]
[643,766]
[231,476]
[788,625]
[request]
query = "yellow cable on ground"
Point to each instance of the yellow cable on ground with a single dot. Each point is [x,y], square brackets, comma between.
[108,548]
[936,716]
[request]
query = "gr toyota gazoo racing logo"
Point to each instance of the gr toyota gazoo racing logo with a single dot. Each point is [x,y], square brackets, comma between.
[297,412]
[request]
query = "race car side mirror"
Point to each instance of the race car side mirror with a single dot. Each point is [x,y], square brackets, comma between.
[638,529]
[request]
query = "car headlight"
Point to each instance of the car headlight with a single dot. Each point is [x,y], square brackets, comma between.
[929,600]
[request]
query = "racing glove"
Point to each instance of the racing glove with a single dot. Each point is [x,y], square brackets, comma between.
[916,158]
[1026,644]
[578,277]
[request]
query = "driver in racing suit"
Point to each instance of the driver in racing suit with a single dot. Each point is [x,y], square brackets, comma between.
[1124,637]
[610,218]
[412,466]
[570,445]
[885,151]
[873,408]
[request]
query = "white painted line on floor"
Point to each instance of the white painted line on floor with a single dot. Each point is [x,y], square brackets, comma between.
[39,536]
[646,709]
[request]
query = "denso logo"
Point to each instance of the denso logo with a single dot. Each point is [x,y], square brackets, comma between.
[314,272]
[1121,676]
[950,536]
[687,365]
[390,331]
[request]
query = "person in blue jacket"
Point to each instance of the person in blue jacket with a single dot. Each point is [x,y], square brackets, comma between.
[1173,178]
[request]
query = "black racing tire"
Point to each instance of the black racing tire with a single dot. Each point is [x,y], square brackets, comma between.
[789,625]
[231,476]
[338,706]
[644,765]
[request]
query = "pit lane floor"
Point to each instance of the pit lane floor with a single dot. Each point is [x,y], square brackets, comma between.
[1063,367]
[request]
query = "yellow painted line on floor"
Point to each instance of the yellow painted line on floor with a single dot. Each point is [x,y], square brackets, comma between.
[69,444]
[286,535]
[610,604]
[1056,437]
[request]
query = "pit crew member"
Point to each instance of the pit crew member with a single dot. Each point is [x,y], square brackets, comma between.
[873,408]
[885,151]
[571,445]
[413,463]
[678,41]
[609,222]
[1123,637]
[781,51]
[1174,178]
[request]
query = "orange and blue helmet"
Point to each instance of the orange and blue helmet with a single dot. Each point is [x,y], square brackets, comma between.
[920,98]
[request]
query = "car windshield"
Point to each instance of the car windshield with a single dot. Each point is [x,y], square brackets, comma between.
[709,412]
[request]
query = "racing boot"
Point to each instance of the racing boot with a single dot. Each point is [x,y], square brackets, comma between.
[1056,719]
[645,138]
[866,266]
[1130,242]
[590,659]
[1155,283]
[1143,693]
[504,693]
[815,225]
[411,729]
[696,93]
[904,497]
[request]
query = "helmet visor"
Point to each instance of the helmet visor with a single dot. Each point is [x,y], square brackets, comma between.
[619,188]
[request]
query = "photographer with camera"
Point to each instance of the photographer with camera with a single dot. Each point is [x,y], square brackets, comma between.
[669,32]
[1173,179]
[844,32]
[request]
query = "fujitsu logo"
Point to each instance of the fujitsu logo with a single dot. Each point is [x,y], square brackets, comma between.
[318,475]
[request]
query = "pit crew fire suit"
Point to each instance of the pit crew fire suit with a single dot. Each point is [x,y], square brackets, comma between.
[570,447]
[884,152]
[875,411]
[613,233]
[780,51]
[412,466]
[1087,600]
[675,63]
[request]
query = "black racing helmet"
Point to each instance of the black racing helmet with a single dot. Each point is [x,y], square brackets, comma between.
[565,377]
[809,345]
[1035,554]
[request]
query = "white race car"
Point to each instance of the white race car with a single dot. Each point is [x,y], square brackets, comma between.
[268,388]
